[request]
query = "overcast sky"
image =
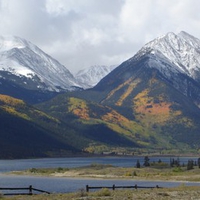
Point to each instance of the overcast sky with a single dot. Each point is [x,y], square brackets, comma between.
[81,33]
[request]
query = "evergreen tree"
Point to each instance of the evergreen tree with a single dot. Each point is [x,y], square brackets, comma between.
[198,161]
[138,164]
[146,161]
[190,165]
[177,162]
[174,163]
[171,162]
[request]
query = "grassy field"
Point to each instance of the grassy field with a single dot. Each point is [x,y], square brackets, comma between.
[159,171]
[179,193]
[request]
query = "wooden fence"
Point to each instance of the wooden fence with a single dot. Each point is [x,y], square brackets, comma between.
[113,187]
[29,190]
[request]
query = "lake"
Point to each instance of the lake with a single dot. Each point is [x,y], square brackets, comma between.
[23,164]
[63,185]
[55,184]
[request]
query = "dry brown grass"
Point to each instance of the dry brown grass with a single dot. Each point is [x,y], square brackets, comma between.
[179,193]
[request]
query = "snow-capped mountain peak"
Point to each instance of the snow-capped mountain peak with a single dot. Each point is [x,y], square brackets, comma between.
[22,58]
[182,51]
[10,42]
[191,40]
[89,77]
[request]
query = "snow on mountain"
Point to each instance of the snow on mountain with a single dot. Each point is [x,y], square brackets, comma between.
[178,53]
[23,59]
[89,77]
[171,54]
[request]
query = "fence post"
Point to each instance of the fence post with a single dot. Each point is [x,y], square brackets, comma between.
[30,190]
[136,186]
[87,188]
[113,187]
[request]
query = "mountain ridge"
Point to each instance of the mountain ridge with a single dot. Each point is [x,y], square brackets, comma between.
[160,55]
[150,89]
[181,49]
[26,68]
[22,58]
[148,103]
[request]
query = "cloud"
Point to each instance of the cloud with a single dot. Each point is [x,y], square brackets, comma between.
[86,32]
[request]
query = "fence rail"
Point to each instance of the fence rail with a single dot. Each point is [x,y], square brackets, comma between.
[29,189]
[113,187]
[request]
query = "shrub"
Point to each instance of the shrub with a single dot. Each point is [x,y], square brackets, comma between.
[60,169]
[82,193]
[177,169]
[159,164]
[134,173]
[33,170]
[128,174]
[104,192]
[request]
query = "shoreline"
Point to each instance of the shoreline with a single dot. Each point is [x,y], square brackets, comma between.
[101,172]
[169,189]
[13,174]
[109,156]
